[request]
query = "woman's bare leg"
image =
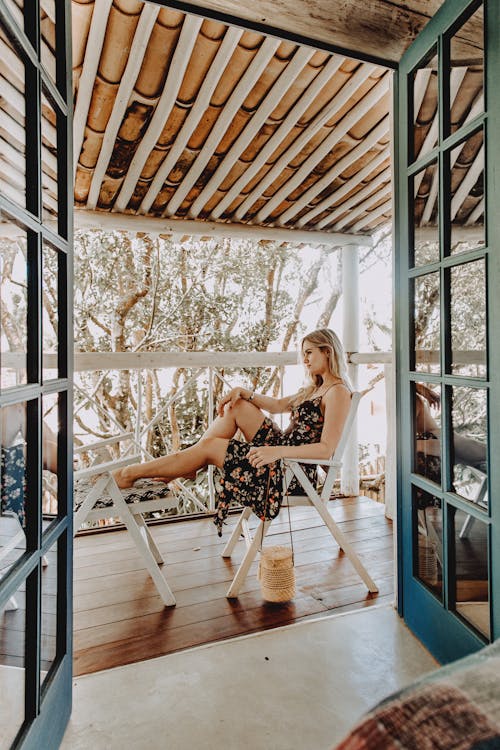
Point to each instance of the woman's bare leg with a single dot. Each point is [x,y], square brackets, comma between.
[243,416]
[209,450]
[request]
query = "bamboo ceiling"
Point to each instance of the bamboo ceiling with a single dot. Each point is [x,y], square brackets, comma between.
[181,117]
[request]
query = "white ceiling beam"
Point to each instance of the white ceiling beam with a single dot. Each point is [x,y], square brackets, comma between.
[85,219]
[362,207]
[259,117]
[378,132]
[339,131]
[279,136]
[357,200]
[93,51]
[374,214]
[326,114]
[346,188]
[176,72]
[140,42]
[467,183]
[474,214]
[420,87]
[212,78]
[238,96]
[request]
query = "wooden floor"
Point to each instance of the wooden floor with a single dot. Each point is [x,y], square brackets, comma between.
[119,618]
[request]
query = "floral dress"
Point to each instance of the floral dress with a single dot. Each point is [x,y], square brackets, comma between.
[261,488]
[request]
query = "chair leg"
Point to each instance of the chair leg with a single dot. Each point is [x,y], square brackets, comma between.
[345,545]
[237,532]
[142,546]
[149,538]
[249,557]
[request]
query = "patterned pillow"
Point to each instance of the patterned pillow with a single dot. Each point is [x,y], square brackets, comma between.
[143,490]
[13,482]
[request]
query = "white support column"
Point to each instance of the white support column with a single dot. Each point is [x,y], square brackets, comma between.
[390,453]
[349,481]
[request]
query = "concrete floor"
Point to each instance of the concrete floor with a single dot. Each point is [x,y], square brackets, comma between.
[298,687]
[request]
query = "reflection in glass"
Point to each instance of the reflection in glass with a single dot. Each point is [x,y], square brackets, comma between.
[50,325]
[48,36]
[428,518]
[49,612]
[425,110]
[49,453]
[467,70]
[467,195]
[470,429]
[14,304]
[12,485]
[425,215]
[12,680]
[427,323]
[427,421]
[49,160]
[12,123]
[471,572]
[468,319]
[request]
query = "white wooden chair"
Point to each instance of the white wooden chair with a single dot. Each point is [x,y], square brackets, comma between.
[293,469]
[98,497]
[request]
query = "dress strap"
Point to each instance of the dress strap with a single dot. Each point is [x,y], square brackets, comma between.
[329,387]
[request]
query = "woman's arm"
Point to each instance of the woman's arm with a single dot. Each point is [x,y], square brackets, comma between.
[267,403]
[337,402]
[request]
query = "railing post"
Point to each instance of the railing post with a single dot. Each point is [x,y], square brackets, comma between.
[349,481]
[138,420]
[211,488]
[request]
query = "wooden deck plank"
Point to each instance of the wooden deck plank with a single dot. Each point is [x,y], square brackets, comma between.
[119,617]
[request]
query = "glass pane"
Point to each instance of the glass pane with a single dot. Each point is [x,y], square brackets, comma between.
[427,323]
[470,430]
[48,36]
[468,319]
[13,485]
[425,215]
[49,162]
[13,304]
[471,586]
[50,325]
[12,667]
[428,517]
[12,123]
[49,612]
[49,452]
[467,195]
[427,420]
[467,71]
[425,111]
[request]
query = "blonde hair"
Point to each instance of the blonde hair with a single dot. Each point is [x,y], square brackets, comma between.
[326,340]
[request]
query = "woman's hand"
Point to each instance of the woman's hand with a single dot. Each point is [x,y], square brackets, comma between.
[263,455]
[231,398]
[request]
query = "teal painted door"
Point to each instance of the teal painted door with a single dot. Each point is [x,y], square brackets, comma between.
[447,318]
[36,206]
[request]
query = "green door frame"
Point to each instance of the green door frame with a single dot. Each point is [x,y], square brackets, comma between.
[442,631]
[47,697]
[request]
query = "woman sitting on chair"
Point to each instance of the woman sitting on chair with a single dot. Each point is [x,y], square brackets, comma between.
[318,412]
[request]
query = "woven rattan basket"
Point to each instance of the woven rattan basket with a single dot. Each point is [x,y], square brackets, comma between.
[277,574]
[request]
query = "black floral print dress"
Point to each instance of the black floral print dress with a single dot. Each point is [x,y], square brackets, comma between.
[261,488]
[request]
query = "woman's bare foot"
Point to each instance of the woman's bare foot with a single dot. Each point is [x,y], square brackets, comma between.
[122,479]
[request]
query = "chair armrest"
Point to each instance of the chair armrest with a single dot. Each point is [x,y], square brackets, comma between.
[108,466]
[312,461]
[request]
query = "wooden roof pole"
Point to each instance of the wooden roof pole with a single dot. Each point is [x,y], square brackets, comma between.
[180,60]
[142,34]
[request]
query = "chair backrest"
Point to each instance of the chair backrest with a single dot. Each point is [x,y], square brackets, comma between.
[356,397]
